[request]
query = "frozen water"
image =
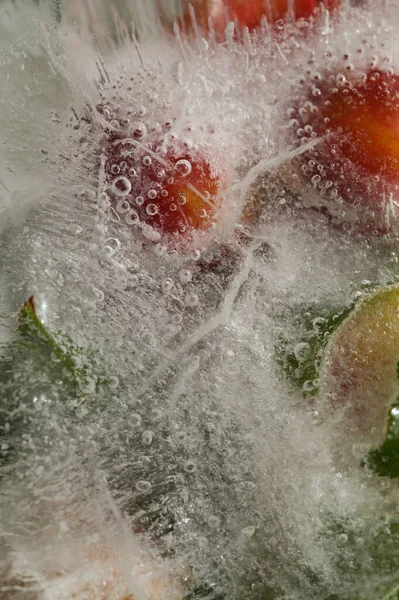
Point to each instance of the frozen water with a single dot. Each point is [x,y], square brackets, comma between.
[186,460]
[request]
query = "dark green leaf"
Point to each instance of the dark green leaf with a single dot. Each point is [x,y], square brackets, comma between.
[312,330]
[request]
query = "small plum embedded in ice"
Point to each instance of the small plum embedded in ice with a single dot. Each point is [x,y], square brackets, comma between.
[358,379]
[357,159]
[248,13]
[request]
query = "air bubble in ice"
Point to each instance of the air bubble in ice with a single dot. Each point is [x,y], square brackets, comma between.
[190,466]
[185,275]
[300,351]
[308,386]
[103,200]
[248,532]
[138,130]
[180,437]
[191,300]
[183,167]
[155,414]
[148,338]
[77,361]
[122,206]
[152,194]
[113,382]
[132,173]
[139,200]
[87,385]
[143,486]
[150,233]
[195,254]
[115,169]
[318,322]
[213,521]
[121,186]
[132,218]
[160,249]
[181,199]
[167,284]
[113,215]
[135,420]
[147,161]
[151,209]
[147,437]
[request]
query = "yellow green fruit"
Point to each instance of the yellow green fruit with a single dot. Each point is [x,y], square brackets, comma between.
[358,378]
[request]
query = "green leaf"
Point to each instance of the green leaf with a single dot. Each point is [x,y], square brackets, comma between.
[385,460]
[46,372]
[363,556]
[203,592]
[299,349]
[51,353]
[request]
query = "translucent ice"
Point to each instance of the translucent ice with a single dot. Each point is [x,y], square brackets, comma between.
[153,445]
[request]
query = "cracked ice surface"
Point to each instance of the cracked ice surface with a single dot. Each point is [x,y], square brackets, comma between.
[202,464]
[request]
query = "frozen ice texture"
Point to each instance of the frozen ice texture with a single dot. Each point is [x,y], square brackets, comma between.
[198,456]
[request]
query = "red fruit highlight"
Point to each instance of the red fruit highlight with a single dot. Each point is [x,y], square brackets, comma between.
[248,13]
[357,163]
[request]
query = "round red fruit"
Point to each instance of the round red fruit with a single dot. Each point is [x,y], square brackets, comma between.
[355,166]
[166,189]
[248,13]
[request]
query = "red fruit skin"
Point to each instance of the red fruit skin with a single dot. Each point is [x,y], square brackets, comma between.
[199,192]
[248,13]
[357,162]
[177,205]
